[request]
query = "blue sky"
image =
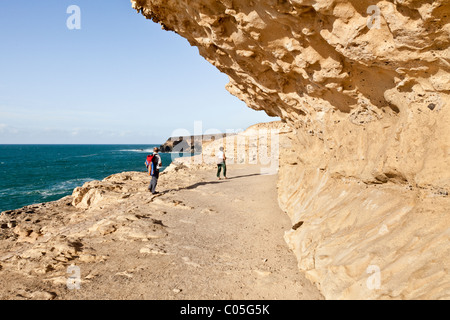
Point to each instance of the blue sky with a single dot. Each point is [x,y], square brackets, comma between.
[119,79]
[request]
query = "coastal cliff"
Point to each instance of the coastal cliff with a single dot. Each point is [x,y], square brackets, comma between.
[365,87]
[193,144]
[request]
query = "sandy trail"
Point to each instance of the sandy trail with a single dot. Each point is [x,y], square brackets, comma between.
[209,239]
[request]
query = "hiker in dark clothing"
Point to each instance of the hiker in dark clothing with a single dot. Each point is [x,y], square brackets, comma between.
[154,168]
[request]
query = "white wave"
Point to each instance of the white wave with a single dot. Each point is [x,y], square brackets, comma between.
[70,184]
[59,188]
[86,156]
[137,150]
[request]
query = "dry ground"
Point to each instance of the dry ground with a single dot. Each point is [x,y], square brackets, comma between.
[200,238]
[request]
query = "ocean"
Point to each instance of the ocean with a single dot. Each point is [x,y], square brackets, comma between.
[31,174]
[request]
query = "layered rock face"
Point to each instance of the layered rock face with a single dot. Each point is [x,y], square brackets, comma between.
[365,86]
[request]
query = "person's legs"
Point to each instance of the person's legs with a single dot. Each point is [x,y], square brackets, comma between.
[224,165]
[154,182]
[219,168]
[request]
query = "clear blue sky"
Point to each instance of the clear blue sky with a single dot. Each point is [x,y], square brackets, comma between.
[119,79]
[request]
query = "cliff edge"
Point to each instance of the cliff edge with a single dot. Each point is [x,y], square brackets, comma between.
[365,87]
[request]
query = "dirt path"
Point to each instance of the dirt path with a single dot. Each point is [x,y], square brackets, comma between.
[213,240]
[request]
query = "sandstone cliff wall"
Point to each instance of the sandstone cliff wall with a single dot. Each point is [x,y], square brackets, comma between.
[365,86]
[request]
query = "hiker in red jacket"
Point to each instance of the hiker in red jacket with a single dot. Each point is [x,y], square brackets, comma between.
[153,169]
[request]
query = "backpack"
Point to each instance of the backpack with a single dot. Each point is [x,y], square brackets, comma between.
[149,162]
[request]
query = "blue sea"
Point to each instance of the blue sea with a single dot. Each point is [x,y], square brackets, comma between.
[32,174]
